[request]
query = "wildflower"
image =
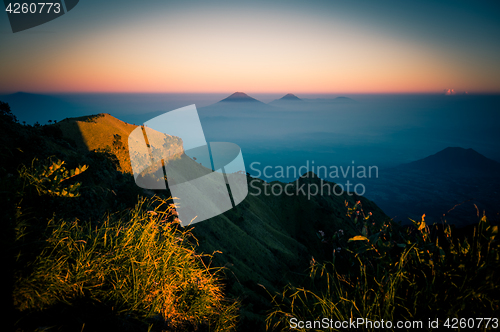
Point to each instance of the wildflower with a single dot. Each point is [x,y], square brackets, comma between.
[322,233]
[313,261]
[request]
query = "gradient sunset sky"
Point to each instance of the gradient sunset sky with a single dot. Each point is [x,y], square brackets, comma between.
[257,47]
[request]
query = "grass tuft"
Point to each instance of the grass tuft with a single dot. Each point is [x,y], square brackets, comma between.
[385,272]
[136,262]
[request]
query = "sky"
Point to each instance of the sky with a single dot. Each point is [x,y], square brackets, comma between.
[257,47]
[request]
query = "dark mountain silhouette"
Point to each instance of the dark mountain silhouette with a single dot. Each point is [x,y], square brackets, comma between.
[456,160]
[240,97]
[289,102]
[290,97]
[237,104]
[453,184]
[264,241]
[47,107]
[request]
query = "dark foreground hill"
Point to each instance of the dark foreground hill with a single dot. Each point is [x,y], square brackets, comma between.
[270,240]
[267,240]
[85,249]
[264,243]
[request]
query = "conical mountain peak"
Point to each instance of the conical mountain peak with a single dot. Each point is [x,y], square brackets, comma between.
[291,97]
[239,97]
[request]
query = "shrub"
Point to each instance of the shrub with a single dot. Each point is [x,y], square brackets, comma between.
[48,179]
[6,114]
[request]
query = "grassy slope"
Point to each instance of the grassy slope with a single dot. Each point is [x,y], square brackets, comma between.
[97,132]
[270,241]
[41,259]
[265,241]
[101,131]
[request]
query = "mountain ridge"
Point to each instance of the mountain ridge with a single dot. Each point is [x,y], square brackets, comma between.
[48,107]
[106,132]
[453,185]
[288,100]
[468,162]
[239,97]
[290,97]
[266,240]
[237,104]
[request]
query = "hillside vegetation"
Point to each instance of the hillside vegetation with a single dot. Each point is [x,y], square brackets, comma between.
[265,242]
[105,132]
[382,277]
[87,249]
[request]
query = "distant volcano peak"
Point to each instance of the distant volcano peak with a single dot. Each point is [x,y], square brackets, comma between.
[290,96]
[239,97]
[456,159]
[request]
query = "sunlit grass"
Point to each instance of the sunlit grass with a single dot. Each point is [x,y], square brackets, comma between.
[138,262]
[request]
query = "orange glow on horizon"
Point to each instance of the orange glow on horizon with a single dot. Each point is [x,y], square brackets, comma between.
[289,53]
